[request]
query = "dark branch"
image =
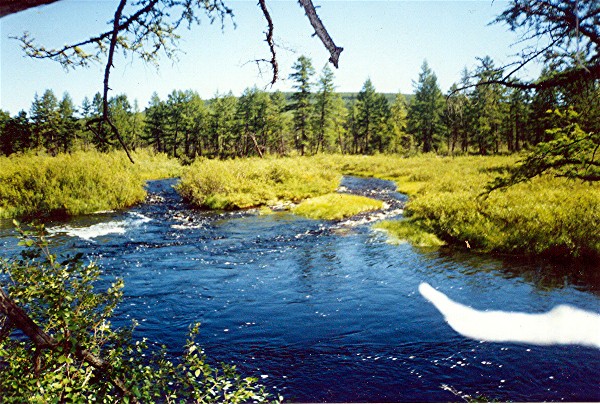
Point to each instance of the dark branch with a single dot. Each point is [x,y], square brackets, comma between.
[109,65]
[8,7]
[321,32]
[269,40]
[18,318]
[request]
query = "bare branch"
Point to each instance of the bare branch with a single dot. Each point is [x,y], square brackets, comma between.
[269,40]
[321,32]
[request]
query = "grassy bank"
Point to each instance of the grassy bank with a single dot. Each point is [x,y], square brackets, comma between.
[336,206]
[545,216]
[78,183]
[240,184]
[548,216]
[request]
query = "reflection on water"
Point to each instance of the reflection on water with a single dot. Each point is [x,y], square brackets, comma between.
[544,274]
[323,314]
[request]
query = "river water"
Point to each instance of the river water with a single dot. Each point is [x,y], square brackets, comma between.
[332,312]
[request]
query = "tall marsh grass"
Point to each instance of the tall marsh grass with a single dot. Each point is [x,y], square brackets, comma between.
[77,183]
[336,206]
[550,216]
[246,183]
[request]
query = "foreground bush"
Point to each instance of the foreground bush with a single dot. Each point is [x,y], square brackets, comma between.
[67,350]
[77,183]
[240,184]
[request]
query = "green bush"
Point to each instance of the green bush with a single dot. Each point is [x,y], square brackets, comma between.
[87,360]
[247,183]
[406,230]
[549,216]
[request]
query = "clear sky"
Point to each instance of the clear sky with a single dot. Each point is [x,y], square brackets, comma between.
[386,41]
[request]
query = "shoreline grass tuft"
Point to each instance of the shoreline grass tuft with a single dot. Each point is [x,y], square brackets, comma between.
[336,206]
[408,231]
[254,182]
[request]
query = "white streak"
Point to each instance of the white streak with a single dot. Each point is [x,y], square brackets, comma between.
[561,325]
[102,229]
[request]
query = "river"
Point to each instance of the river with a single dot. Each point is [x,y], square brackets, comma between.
[332,312]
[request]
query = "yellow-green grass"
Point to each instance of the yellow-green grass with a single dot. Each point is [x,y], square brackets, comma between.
[335,206]
[550,216]
[254,182]
[544,216]
[77,183]
[406,230]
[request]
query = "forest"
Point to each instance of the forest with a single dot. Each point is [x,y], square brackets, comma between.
[468,119]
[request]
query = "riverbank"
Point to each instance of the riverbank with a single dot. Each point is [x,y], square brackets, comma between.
[77,183]
[546,216]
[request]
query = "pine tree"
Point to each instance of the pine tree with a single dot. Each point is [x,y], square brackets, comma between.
[456,118]
[7,143]
[338,124]
[155,128]
[488,104]
[301,101]
[426,110]
[252,118]
[221,127]
[401,141]
[323,114]
[45,118]
[68,125]
[278,123]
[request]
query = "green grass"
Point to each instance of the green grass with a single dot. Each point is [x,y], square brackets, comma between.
[77,183]
[547,216]
[406,230]
[336,206]
[248,183]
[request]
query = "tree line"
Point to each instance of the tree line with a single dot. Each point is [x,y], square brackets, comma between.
[314,118]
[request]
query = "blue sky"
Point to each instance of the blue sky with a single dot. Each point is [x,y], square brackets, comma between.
[386,41]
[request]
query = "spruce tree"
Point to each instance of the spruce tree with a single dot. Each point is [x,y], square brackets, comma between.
[302,101]
[426,110]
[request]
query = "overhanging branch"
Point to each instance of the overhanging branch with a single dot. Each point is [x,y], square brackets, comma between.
[321,32]
[269,34]
[8,7]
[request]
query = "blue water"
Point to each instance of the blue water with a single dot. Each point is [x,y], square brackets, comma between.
[330,312]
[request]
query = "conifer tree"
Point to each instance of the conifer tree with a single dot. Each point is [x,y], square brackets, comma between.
[278,123]
[222,122]
[488,107]
[401,141]
[68,125]
[155,128]
[323,115]
[426,110]
[45,118]
[302,101]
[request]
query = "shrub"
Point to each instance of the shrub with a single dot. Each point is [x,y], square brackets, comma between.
[240,184]
[84,359]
